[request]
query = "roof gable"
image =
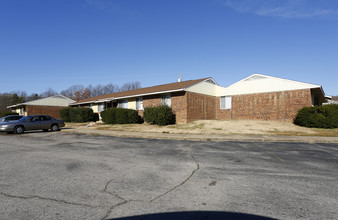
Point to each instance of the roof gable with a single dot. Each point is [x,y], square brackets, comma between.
[170,87]
[56,100]
[259,83]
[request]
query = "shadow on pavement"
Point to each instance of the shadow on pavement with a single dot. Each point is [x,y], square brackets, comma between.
[195,215]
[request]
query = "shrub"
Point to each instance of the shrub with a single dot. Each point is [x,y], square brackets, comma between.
[133,117]
[64,114]
[81,114]
[325,116]
[150,115]
[160,115]
[96,117]
[120,116]
[109,116]
[8,113]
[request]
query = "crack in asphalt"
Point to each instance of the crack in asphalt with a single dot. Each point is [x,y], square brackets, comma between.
[111,209]
[182,183]
[48,199]
[125,201]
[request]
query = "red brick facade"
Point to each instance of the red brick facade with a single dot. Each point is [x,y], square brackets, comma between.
[188,106]
[200,107]
[266,106]
[53,111]
[178,105]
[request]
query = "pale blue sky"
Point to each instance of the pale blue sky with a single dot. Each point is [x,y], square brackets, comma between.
[59,43]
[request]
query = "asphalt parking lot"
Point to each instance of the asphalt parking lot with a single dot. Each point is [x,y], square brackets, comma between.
[55,175]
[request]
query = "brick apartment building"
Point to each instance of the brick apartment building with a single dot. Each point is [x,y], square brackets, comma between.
[255,97]
[45,106]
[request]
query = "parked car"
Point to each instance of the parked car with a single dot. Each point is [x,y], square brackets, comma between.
[10,118]
[32,122]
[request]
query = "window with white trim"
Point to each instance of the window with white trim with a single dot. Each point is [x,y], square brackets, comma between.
[166,100]
[225,102]
[123,103]
[101,107]
[139,103]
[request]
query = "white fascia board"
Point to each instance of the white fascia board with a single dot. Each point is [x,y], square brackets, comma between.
[210,78]
[82,103]
[125,97]
[102,100]
[12,106]
[144,94]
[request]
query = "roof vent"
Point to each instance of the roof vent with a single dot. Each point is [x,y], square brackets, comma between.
[180,79]
[255,77]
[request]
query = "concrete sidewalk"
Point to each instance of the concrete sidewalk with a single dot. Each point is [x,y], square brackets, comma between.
[204,137]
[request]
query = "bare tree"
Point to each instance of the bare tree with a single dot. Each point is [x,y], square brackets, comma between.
[48,92]
[110,88]
[71,90]
[130,86]
[82,94]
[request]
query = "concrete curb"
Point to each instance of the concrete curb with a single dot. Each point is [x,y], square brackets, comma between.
[205,137]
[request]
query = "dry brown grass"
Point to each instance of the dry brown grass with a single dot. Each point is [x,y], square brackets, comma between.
[244,127]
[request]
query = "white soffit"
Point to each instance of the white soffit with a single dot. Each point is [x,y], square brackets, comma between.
[205,87]
[258,83]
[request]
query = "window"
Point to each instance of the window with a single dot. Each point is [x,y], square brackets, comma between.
[166,100]
[222,102]
[123,103]
[225,102]
[139,103]
[35,118]
[45,118]
[101,107]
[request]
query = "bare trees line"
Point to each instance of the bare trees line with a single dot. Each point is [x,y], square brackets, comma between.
[75,92]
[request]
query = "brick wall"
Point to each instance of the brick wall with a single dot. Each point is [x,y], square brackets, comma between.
[178,105]
[267,106]
[53,111]
[151,101]
[200,107]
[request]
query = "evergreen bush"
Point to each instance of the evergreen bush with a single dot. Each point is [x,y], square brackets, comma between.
[325,116]
[109,116]
[64,114]
[160,115]
[81,114]
[120,116]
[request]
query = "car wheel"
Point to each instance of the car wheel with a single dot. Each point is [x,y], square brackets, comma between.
[45,130]
[19,130]
[54,127]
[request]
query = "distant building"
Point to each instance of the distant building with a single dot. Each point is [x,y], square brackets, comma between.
[331,100]
[47,106]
